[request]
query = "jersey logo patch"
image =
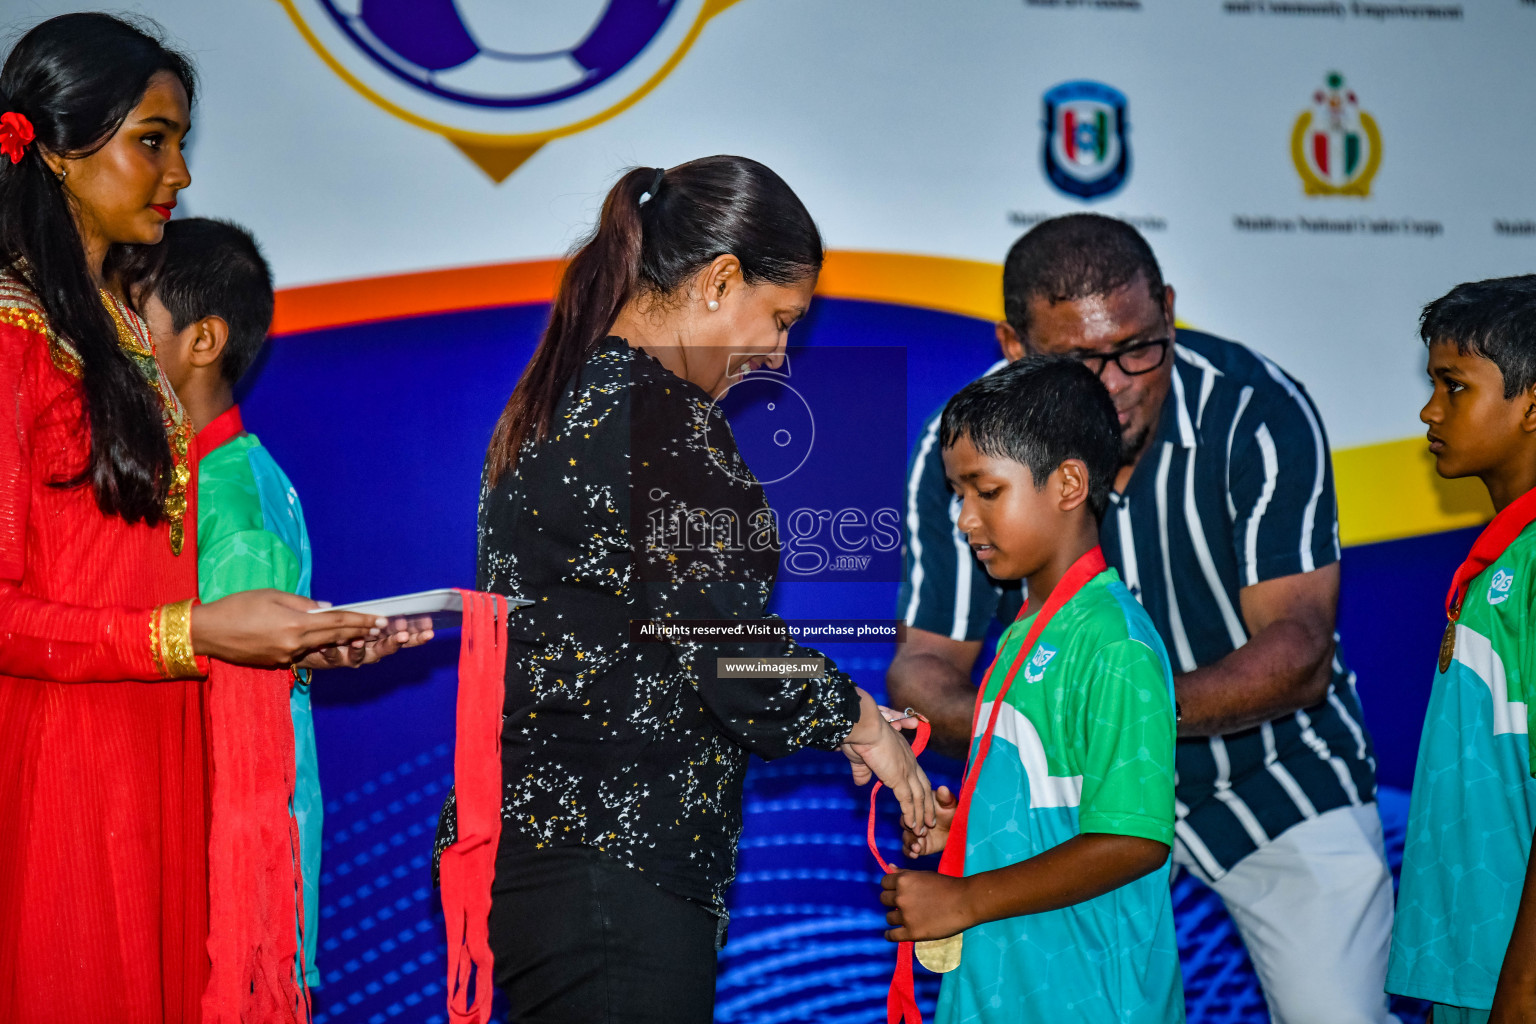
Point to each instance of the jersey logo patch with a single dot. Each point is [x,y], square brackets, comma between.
[1034,671]
[1499,587]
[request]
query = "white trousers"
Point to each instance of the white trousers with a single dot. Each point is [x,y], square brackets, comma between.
[1314,908]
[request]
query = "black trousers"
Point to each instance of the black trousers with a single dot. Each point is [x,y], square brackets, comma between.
[581,939]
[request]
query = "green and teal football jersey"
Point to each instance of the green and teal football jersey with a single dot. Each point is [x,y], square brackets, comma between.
[1474,800]
[1084,743]
[251,534]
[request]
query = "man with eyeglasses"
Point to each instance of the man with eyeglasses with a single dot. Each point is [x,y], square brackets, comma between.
[1223,525]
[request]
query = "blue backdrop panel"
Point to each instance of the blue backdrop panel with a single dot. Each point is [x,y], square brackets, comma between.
[382,428]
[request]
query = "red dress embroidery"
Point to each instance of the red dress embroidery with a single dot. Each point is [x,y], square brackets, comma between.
[104,766]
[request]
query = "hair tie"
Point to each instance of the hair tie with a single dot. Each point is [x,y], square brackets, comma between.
[15,133]
[650,193]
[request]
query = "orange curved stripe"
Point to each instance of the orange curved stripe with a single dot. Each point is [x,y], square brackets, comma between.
[967,287]
[338,303]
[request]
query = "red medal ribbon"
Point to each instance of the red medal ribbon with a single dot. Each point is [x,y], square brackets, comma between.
[952,863]
[901,1002]
[1490,544]
[469,866]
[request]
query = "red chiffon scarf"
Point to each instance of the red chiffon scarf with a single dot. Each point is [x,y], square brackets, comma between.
[255,888]
[254,885]
[469,865]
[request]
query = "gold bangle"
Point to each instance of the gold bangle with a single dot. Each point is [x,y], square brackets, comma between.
[155,646]
[174,651]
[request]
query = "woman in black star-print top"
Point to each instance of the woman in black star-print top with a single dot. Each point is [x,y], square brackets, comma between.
[614,493]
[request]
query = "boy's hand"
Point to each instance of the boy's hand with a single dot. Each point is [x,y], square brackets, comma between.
[403,633]
[937,837]
[924,905]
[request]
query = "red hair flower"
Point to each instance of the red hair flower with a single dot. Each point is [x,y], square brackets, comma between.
[15,132]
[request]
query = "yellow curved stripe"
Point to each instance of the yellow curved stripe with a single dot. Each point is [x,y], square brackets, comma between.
[1390,490]
[1386,491]
[967,287]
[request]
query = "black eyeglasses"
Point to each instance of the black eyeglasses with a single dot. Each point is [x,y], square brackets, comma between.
[1133,359]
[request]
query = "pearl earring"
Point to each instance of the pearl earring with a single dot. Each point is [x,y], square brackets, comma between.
[712,305]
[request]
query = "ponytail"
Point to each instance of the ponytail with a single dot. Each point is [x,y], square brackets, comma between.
[597,282]
[658,227]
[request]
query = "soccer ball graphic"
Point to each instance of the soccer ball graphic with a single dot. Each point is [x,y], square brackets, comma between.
[501,53]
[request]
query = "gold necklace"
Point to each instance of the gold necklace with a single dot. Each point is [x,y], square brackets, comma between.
[134,340]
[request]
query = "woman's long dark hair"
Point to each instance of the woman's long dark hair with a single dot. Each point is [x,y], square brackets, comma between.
[697,211]
[76,77]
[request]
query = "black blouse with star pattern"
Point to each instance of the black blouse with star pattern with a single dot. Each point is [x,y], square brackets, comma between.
[639,747]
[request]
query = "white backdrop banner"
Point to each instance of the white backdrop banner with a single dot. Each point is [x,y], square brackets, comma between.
[1309,173]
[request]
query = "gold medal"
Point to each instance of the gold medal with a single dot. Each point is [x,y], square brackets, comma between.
[1448,645]
[939,955]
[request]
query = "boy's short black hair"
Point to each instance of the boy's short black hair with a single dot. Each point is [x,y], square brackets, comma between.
[205,267]
[1072,257]
[1495,319]
[1039,412]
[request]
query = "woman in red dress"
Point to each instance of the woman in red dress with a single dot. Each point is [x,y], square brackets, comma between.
[105,758]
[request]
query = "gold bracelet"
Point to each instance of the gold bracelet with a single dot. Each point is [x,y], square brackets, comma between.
[155,646]
[175,641]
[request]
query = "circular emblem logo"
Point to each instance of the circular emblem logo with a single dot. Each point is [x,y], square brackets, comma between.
[499,78]
[772,424]
[1335,145]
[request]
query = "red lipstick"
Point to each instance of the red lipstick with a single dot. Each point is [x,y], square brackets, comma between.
[164,209]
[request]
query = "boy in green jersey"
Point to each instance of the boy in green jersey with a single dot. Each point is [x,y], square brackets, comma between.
[1058,877]
[206,294]
[1465,936]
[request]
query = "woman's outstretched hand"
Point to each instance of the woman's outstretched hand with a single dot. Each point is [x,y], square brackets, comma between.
[875,748]
[269,628]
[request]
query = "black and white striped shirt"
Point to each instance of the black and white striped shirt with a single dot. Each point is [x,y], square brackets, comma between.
[1236,488]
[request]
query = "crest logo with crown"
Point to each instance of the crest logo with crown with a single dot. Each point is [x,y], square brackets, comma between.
[1335,145]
